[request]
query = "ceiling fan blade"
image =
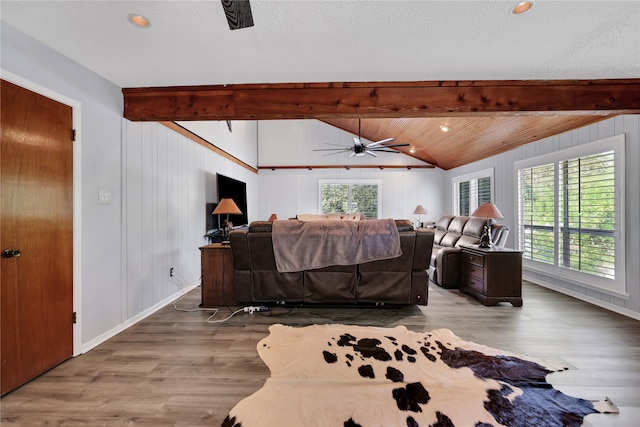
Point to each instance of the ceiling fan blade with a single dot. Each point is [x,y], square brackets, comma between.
[352,154]
[379,150]
[373,144]
[333,149]
[238,13]
[372,153]
[396,145]
[331,154]
[335,145]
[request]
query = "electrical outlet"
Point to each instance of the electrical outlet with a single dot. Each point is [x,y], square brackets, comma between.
[171,272]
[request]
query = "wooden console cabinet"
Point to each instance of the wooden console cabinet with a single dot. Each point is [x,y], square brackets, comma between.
[492,275]
[217,276]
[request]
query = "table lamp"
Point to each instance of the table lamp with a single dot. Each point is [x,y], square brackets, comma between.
[419,210]
[228,207]
[489,211]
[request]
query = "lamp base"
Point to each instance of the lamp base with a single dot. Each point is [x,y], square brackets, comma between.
[485,239]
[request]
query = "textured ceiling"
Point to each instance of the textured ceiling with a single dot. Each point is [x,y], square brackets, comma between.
[189,42]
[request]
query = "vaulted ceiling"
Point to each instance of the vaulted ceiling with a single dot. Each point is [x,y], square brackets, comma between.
[190,44]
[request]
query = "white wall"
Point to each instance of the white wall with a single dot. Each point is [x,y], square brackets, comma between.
[167,181]
[291,142]
[287,192]
[505,199]
[159,183]
[240,142]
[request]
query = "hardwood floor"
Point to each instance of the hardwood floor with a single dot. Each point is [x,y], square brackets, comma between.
[176,369]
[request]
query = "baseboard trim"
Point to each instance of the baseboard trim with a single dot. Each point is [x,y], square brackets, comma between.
[586,298]
[135,319]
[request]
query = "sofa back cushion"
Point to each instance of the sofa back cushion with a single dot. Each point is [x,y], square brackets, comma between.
[260,227]
[444,221]
[441,228]
[475,226]
[454,231]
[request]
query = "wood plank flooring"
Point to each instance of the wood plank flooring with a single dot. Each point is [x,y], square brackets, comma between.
[175,369]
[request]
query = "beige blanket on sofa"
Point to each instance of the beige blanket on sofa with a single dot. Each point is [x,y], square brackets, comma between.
[299,246]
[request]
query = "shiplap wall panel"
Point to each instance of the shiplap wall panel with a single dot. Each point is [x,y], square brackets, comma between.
[168,181]
[506,199]
[290,192]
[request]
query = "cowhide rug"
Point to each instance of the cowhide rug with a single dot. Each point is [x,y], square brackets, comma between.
[338,375]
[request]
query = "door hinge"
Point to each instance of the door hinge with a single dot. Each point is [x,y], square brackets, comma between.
[73,134]
[75,318]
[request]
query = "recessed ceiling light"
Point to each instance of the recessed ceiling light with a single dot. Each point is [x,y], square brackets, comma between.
[521,7]
[444,128]
[412,150]
[139,20]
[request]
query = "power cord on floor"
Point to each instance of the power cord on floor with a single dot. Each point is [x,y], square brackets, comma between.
[180,281]
[250,309]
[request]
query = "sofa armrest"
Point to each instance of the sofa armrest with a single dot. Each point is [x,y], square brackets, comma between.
[448,265]
[500,232]
[423,249]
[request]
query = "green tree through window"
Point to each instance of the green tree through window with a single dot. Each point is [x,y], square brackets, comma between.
[567,212]
[350,197]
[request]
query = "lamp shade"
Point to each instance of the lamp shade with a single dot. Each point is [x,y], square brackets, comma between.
[419,210]
[488,210]
[227,206]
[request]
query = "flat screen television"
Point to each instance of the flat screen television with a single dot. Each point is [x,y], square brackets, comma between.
[236,190]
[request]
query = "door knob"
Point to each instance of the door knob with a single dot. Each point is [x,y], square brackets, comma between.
[10,253]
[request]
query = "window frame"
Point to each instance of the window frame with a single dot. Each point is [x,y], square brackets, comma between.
[616,286]
[472,178]
[350,183]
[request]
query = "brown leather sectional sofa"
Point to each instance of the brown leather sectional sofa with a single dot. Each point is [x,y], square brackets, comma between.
[401,280]
[451,233]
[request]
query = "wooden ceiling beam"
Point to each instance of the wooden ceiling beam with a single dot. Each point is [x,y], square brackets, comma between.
[354,166]
[382,99]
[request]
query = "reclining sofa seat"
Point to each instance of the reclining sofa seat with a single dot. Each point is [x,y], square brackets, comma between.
[401,280]
[451,233]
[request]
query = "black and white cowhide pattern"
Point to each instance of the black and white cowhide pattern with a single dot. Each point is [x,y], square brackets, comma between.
[337,375]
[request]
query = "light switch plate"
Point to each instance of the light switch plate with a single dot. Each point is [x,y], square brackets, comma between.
[104,197]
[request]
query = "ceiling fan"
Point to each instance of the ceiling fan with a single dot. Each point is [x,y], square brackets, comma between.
[238,13]
[359,149]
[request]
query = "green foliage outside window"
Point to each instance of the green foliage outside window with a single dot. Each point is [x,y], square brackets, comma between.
[364,199]
[350,198]
[335,198]
[586,214]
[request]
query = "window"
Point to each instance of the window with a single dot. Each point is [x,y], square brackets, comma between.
[569,215]
[470,191]
[350,196]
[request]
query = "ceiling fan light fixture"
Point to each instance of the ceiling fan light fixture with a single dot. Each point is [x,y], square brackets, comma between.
[139,20]
[521,7]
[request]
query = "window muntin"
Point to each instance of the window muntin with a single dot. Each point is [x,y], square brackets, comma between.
[350,196]
[570,220]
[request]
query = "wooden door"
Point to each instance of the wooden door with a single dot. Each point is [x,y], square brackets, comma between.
[36,287]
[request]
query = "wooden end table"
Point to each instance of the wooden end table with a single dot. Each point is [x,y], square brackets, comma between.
[492,275]
[218,276]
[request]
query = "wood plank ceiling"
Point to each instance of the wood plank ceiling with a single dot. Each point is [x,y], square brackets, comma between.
[484,118]
[468,139]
